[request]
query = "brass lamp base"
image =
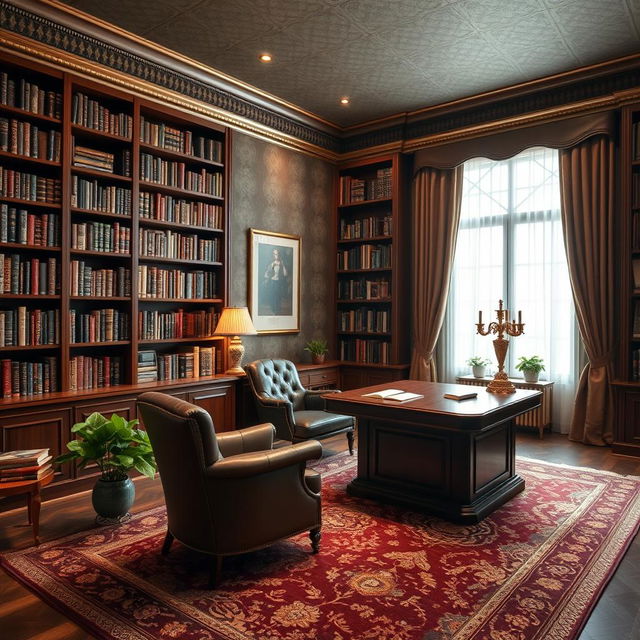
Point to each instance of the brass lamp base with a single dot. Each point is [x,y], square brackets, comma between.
[501,384]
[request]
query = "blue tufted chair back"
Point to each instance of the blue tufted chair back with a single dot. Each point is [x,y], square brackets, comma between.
[278,379]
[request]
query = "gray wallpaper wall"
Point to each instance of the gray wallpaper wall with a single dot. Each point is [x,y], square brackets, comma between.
[275,189]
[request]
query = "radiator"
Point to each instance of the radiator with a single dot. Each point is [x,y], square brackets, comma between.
[538,418]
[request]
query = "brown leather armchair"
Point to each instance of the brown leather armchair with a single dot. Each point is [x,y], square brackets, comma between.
[297,413]
[230,493]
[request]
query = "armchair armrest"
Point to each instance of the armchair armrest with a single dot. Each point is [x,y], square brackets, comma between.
[313,400]
[256,438]
[251,464]
[279,412]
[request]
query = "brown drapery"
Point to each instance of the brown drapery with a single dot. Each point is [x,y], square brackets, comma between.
[437,195]
[587,186]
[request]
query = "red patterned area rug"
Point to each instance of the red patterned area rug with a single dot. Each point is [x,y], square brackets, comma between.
[532,570]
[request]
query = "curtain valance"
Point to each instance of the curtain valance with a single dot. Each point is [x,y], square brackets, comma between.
[560,134]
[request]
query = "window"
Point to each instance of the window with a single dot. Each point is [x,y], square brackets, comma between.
[510,247]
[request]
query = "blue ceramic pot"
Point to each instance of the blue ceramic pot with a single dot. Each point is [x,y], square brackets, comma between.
[113,498]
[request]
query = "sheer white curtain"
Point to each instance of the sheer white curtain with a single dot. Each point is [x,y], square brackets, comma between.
[510,247]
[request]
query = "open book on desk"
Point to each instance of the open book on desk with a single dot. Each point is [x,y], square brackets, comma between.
[393,395]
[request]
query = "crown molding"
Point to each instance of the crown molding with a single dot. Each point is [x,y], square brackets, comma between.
[67,39]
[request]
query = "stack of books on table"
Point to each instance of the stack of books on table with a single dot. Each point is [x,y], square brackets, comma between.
[24,465]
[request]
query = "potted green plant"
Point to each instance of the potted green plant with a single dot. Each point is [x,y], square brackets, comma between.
[478,366]
[116,446]
[530,367]
[318,350]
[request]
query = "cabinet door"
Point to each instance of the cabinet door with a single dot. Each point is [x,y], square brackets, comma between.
[627,432]
[39,430]
[125,407]
[219,401]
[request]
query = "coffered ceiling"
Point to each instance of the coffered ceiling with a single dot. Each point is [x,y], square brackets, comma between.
[387,56]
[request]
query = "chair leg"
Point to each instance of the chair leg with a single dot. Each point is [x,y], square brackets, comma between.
[168,540]
[350,441]
[315,536]
[215,571]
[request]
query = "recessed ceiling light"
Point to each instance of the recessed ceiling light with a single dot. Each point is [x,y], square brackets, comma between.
[265,57]
[344,100]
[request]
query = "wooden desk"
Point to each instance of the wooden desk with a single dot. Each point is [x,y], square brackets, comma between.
[32,489]
[454,459]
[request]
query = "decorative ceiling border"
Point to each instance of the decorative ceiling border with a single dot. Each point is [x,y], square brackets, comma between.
[30,25]
[605,85]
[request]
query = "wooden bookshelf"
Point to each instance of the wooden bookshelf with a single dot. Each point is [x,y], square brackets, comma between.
[372,270]
[627,383]
[106,121]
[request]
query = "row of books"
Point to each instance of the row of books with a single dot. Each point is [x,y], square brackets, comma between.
[20,378]
[175,174]
[24,464]
[366,256]
[98,325]
[28,186]
[90,194]
[21,327]
[191,362]
[88,372]
[162,325]
[360,189]
[365,320]
[158,282]
[29,96]
[158,206]
[98,160]
[365,228]
[170,244]
[101,236]
[28,276]
[635,365]
[183,141]
[635,190]
[361,350]
[22,227]
[27,139]
[361,289]
[88,112]
[86,280]
[635,141]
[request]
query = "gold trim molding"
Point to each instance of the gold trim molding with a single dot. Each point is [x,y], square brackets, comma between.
[55,58]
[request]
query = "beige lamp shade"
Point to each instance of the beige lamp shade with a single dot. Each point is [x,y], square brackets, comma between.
[235,321]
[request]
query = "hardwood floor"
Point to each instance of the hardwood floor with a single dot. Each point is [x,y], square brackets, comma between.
[24,617]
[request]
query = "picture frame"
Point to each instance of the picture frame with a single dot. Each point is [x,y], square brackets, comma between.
[274,281]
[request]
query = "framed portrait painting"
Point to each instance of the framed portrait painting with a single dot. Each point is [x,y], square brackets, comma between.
[274,281]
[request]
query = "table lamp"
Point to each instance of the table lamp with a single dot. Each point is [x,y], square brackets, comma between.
[235,322]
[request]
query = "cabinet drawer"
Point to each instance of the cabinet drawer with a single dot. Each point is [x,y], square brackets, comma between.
[322,378]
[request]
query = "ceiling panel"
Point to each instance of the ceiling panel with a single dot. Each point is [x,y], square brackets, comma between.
[387,56]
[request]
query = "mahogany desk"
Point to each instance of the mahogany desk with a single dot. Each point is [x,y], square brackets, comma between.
[452,458]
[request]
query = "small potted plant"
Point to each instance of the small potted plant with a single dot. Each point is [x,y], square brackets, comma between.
[478,366]
[530,367]
[318,350]
[116,446]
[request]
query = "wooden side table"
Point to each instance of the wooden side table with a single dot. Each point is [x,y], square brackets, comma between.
[32,489]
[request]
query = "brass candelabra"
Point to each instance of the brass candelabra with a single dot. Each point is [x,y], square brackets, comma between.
[501,382]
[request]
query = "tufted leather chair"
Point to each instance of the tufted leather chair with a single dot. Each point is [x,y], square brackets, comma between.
[297,413]
[229,493]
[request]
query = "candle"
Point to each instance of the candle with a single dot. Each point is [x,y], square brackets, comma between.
[519,317]
[480,317]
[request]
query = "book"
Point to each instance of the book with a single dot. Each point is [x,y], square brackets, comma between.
[461,396]
[405,396]
[21,477]
[21,467]
[23,456]
[385,393]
